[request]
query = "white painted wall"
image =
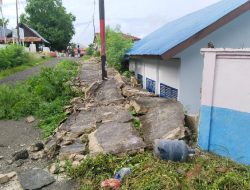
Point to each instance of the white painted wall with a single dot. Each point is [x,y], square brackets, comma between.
[132,65]
[235,34]
[226,79]
[169,73]
[166,72]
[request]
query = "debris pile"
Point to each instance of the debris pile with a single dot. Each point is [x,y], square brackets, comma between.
[102,121]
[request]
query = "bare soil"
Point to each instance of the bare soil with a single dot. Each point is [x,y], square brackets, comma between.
[15,136]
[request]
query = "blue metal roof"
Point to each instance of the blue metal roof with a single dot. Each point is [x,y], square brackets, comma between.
[177,31]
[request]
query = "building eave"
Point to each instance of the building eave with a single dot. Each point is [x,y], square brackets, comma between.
[206,31]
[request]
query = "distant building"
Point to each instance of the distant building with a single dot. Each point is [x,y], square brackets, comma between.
[168,61]
[29,36]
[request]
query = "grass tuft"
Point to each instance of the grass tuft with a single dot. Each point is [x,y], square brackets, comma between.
[203,172]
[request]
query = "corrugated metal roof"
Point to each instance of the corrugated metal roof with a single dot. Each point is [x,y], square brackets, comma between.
[175,32]
[35,32]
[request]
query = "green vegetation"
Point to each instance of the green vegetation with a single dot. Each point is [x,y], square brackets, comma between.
[43,96]
[204,172]
[13,56]
[4,21]
[57,27]
[117,46]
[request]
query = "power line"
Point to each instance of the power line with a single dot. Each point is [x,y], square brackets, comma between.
[94,19]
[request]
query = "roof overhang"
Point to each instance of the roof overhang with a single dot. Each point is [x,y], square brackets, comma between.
[206,31]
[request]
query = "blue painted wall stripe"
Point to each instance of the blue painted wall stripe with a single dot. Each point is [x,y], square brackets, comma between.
[228,135]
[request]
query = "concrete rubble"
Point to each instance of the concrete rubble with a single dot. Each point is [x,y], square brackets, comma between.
[102,122]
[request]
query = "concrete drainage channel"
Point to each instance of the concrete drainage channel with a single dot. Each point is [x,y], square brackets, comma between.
[102,123]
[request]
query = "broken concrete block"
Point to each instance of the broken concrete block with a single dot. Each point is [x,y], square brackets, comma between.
[164,118]
[35,179]
[4,178]
[115,138]
[30,119]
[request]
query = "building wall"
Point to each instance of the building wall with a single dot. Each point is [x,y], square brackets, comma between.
[160,71]
[225,112]
[235,34]
[169,72]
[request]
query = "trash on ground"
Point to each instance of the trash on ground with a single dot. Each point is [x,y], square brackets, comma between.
[111,183]
[174,150]
[124,172]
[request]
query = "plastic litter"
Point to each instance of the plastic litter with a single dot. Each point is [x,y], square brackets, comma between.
[124,172]
[111,183]
[174,150]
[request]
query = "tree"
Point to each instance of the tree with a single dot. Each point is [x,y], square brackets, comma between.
[6,21]
[51,20]
[117,45]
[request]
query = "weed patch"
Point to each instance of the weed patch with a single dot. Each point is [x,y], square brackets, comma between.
[43,96]
[149,173]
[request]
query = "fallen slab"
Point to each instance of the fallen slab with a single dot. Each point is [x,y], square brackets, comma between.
[115,138]
[162,118]
[35,179]
[109,92]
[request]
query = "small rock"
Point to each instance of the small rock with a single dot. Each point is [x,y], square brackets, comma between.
[180,171]
[84,138]
[52,148]
[38,155]
[35,179]
[54,169]
[1,157]
[68,151]
[76,100]
[67,142]
[4,178]
[79,157]
[76,163]
[30,119]
[62,163]
[36,147]
[22,154]
[11,175]
[9,162]
[19,163]
[72,157]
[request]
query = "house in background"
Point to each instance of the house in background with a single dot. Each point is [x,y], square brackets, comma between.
[27,35]
[168,61]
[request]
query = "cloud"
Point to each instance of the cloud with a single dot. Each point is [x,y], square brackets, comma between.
[137,17]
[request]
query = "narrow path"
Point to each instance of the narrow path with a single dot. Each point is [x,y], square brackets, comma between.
[23,75]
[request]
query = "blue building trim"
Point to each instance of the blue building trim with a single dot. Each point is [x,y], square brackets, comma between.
[225,132]
[150,85]
[168,92]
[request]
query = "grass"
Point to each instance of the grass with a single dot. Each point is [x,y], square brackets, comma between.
[203,172]
[86,57]
[43,96]
[31,63]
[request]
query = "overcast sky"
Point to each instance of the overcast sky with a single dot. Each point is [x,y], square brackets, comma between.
[136,17]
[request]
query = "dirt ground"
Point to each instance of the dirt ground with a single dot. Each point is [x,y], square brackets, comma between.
[15,136]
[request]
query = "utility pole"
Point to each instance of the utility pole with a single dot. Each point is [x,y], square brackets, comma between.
[103,38]
[17,22]
[3,25]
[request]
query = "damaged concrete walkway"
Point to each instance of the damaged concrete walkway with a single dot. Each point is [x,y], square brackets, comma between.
[102,122]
